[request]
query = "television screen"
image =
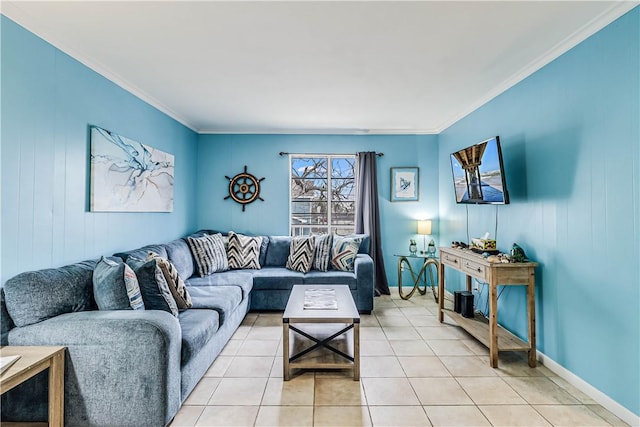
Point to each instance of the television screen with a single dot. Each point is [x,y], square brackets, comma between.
[478,174]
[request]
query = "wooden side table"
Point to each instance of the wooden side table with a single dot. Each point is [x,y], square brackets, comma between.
[33,360]
[487,331]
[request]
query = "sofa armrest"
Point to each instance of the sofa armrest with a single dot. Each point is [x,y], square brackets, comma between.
[121,367]
[365,276]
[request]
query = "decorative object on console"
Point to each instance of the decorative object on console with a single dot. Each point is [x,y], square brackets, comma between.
[424,229]
[244,188]
[517,253]
[404,184]
[127,176]
[431,249]
[413,247]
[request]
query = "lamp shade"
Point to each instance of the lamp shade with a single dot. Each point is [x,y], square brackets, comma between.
[424,226]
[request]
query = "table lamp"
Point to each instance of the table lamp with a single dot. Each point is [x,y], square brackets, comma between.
[424,228]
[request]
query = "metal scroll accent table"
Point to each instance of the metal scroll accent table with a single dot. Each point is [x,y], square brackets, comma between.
[429,263]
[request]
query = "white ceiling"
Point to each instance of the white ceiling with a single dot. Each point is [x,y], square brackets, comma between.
[315,66]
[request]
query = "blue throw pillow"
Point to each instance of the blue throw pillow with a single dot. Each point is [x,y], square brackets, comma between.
[115,286]
[153,285]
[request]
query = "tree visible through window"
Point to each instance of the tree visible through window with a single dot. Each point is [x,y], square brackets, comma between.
[323,193]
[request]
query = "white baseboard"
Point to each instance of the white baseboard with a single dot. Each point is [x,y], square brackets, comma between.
[608,403]
[611,405]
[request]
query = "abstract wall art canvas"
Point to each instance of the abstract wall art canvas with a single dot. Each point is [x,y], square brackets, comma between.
[127,176]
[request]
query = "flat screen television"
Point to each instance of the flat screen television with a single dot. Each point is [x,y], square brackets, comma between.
[478,174]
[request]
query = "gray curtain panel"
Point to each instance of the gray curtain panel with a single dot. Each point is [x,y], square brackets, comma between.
[368,215]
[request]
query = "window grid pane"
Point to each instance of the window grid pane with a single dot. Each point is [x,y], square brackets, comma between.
[313,208]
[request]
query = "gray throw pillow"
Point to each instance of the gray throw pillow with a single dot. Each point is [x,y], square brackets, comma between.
[322,255]
[153,286]
[209,252]
[115,286]
[301,253]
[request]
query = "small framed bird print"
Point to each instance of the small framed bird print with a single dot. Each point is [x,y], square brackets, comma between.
[404,184]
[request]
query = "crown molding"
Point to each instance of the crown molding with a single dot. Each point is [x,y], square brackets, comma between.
[322,131]
[614,12]
[12,11]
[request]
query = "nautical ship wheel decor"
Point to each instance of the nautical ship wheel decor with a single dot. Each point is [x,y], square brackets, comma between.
[244,188]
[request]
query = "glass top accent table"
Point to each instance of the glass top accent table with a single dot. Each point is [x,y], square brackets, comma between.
[429,264]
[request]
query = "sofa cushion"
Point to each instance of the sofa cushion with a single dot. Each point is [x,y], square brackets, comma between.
[242,278]
[301,253]
[153,286]
[244,251]
[198,327]
[344,251]
[209,252]
[223,299]
[322,253]
[276,278]
[179,254]
[278,251]
[34,296]
[332,277]
[176,285]
[115,286]
[142,252]
[365,242]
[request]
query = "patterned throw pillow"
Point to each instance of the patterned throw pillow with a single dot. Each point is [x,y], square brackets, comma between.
[209,252]
[115,286]
[175,283]
[153,285]
[322,254]
[344,252]
[243,251]
[301,253]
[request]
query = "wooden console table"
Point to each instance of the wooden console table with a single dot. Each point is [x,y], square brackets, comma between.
[492,335]
[33,360]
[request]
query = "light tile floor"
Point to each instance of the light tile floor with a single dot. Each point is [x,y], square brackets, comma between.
[415,372]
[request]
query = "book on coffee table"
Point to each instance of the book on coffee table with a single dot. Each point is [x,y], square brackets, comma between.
[320,299]
[6,362]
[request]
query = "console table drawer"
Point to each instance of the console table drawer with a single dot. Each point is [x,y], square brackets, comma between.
[451,260]
[474,269]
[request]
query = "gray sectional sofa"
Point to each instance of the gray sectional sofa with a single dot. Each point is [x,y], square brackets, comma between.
[136,367]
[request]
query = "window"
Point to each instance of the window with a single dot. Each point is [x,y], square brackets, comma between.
[323,194]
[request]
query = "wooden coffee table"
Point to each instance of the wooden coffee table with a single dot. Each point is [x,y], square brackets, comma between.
[329,339]
[33,360]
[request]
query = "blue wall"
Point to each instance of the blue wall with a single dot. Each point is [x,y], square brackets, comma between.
[570,139]
[48,102]
[570,136]
[220,155]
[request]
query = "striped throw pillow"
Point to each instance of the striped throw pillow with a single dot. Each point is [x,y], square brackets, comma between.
[301,251]
[243,251]
[176,284]
[322,254]
[209,253]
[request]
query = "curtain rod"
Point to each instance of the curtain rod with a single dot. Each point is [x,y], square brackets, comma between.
[284,153]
